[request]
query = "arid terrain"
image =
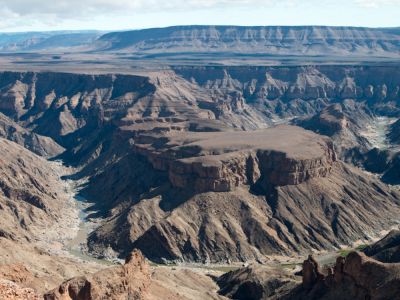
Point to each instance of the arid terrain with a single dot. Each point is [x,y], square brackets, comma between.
[211,170]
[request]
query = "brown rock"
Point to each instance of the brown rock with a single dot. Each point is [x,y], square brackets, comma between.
[219,162]
[356,277]
[11,291]
[311,273]
[387,249]
[129,281]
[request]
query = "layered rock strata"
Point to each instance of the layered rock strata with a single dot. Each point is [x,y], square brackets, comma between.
[219,162]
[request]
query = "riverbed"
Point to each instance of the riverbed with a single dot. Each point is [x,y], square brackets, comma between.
[376,133]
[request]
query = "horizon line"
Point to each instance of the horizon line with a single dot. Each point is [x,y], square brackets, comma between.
[196,25]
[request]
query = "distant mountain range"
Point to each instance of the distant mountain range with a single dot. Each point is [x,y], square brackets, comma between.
[46,41]
[269,40]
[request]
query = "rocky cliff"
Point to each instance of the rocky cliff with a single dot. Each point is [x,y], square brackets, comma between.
[257,282]
[386,250]
[31,193]
[353,277]
[394,133]
[219,162]
[240,97]
[301,40]
[41,145]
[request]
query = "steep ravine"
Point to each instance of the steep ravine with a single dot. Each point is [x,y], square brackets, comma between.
[77,246]
[81,225]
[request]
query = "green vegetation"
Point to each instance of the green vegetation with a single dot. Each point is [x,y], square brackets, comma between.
[345,252]
[361,247]
[224,269]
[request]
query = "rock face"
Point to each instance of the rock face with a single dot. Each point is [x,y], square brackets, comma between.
[129,281]
[73,103]
[31,196]
[302,40]
[11,291]
[311,273]
[354,277]
[239,225]
[41,145]
[256,282]
[76,105]
[342,123]
[219,162]
[346,125]
[17,273]
[330,121]
[386,250]
[394,132]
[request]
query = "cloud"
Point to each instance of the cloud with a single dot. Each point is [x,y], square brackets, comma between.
[82,8]
[79,8]
[376,3]
[83,13]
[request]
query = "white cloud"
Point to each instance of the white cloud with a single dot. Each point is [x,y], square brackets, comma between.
[84,8]
[376,3]
[51,14]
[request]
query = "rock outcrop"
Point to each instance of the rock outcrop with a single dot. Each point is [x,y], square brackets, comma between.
[41,145]
[11,291]
[167,223]
[219,162]
[31,193]
[386,250]
[394,133]
[129,281]
[355,277]
[343,124]
[257,282]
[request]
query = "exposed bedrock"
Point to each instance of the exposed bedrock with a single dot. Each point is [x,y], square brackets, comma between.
[192,186]
[355,277]
[32,195]
[129,281]
[331,203]
[41,145]
[386,250]
[307,83]
[394,133]
[240,42]
[68,107]
[219,162]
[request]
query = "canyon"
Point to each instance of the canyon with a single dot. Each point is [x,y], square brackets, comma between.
[185,171]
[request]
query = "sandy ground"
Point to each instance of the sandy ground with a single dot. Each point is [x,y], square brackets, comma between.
[376,133]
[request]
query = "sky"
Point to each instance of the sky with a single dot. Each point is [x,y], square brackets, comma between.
[107,15]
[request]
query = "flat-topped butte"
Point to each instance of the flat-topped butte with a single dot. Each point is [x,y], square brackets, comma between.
[220,161]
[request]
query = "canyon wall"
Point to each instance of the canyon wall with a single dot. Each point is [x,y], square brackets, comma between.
[219,162]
